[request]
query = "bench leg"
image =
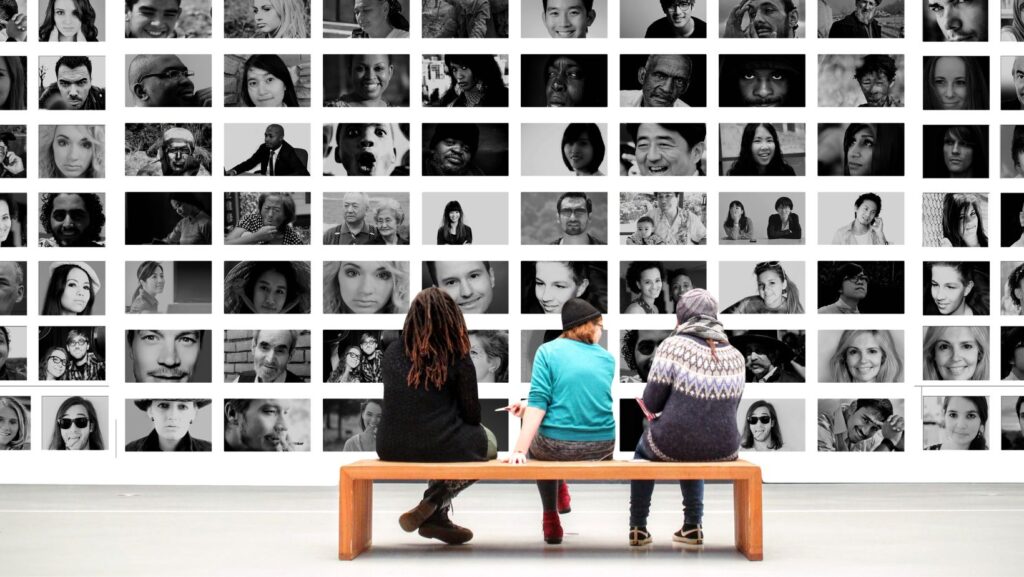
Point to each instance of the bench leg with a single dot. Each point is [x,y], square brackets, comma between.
[747,505]
[355,508]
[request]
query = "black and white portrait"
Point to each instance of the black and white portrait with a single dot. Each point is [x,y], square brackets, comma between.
[13,219]
[564,218]
[531,340]
[15,423]
[861,356]
[366,19]
[266,287]
[1011,161]
[13,288]
[72,288]
[15,68]
[366,218]
[366,149]
[860,149]
[1011,82]
[861,425]
[466,18]
[956,288]
[267,80]
[1011,275]
[167,356]
[13,159]
[761,149]
[548,285]
[636,353]
[775,286]
[478,287]
[267,356]
[654,287]
[956,82]
[173,425]
[355,355]
[955,219]
[264,19]
[13,358]
[267,218]
[1011,219]
[761,18]
[72,219]
[351,424]
[465,80]
[772,356]
[864,81]
[488,349]
[274,425]
[861,287]
[461,218]
[756,217]
[761,80]
[72,20]
[564,149]
[654,149]
[663,19]
[1012,423]
[771,424]
[564,18]
[955,151]
[72,353]
[174,218]
[76,423]
[465,149]
[956,353]
[276,149]
[366,287]
[168,18]
[69,151]
[72,83]
[1011,359]
[168,81]
[168,149]
[368,80]
[168,287]
[663,80]
[955,423]
[860,19]
[565,80]
[953,21]
[651,218]
[861,218]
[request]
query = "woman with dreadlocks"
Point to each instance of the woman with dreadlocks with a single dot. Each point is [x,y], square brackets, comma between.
[432,408]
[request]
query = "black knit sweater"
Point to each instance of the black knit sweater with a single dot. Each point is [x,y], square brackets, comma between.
[430,425]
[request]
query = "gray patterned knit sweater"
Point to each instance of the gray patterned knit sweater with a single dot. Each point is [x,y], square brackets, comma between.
[697,397]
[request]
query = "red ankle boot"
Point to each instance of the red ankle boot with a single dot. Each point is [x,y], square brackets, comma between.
[563,498]
[552,528]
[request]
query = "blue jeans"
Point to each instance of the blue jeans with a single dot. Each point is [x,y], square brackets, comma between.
[640,496]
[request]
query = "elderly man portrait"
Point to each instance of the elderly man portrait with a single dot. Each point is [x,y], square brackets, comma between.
[764,19]
[73,89]
[271,353]
[663,79]
[876,76]
[177,154]
[163,356]
[573,211]
[860,23]
[355,229]
[275,157]
[12,286]
[163,80]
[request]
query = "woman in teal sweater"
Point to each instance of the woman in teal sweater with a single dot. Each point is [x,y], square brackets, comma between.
[568,415]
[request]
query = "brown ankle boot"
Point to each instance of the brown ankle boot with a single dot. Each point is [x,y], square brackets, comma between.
[440,527]
[415,517]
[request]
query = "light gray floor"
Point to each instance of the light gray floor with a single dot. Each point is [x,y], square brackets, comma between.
[834,530]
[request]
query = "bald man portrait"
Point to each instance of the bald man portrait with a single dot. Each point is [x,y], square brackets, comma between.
[163,80]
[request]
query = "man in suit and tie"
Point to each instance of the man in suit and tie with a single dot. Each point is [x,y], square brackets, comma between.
[275,158]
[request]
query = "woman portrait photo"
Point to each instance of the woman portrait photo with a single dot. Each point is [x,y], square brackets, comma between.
[173,421]
[13,83]
[583,149]
[71,289]
[760,153]
[956,288]
[489,352]
[777,293]
[547,286]
[366,80]
[955,219]
[69,21]
[354,356]
[371,411]
[53,364]
[150,277]
[12,206]
[862,356]
[956,151]
[957,423]
[956,353]
[453,229]
[266,287]
[956,83]
[474,80]
[267,81]
[860,150]
[378,19]
[266,19]
[784,224]
[390,221]
[71,151]
[273,221]
[15,425]
[366,288]
[1013,288]
[76,425]
[347,370]
[760,429]
[1012,29]
[645,282]
[737,225]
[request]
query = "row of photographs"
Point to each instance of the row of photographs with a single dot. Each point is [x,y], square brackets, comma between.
[948,423]
[940,20]
[75,288]
[570,149]
[948,353]
[483,80]
[81,220]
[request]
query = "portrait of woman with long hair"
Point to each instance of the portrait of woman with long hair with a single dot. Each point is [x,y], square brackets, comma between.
[69,21]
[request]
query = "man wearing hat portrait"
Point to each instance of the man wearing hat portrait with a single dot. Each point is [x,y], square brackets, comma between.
[162,80]
[177,155]
[172,419]
[451,151]
[194,227]
[768,359]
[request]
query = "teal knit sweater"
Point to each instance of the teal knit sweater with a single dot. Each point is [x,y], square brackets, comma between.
[572,382]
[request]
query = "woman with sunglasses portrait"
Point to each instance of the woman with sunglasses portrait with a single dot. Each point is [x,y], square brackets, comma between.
[78,427]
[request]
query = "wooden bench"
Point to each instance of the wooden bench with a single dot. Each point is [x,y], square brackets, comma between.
[355,489]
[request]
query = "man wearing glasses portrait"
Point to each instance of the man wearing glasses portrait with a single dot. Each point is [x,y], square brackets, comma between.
[678,22]
[163,80]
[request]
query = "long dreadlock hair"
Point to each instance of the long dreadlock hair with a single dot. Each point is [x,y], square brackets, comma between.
[434,337]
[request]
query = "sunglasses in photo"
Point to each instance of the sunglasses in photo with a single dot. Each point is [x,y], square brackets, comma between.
[765,419]
[80,422]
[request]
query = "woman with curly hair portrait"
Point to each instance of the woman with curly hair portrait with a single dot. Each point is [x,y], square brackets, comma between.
[366,288]
[476,80]
[69,21]
[646,281]
[71,151]
[267,287]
